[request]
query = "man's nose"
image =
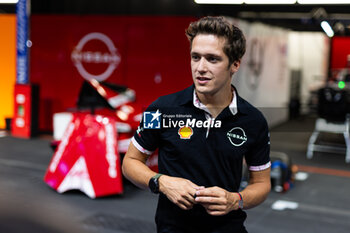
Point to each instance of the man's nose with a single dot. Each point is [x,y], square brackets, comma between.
[202,65]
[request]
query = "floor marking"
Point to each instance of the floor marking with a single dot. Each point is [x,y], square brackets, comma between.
[324,171]
[282,205]
[301,176]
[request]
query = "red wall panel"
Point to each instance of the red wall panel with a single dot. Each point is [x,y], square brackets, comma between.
[340,49]
[153,51]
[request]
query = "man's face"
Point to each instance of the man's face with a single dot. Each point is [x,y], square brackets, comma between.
[211,72]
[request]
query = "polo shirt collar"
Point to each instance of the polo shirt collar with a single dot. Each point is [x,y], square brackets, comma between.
[187,95]
[198,104]
[241,104]
[190,96]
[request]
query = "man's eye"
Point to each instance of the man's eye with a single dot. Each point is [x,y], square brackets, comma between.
[195,57]
[212,59]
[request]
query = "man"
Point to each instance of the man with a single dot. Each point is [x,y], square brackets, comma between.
[205,131]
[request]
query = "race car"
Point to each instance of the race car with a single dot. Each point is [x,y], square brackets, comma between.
[91,140]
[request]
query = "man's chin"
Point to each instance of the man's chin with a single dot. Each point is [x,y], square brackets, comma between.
[203,90]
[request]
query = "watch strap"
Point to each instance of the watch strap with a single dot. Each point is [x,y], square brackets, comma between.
[157,176]
[240,202]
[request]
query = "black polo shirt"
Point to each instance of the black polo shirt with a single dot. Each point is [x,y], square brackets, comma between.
[209,152]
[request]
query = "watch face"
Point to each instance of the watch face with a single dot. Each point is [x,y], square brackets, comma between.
[153,185]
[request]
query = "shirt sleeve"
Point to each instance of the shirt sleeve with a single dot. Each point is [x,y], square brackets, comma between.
[258,157]
[146,137]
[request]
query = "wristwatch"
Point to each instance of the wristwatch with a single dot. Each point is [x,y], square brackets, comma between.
[240,202]
[153,183]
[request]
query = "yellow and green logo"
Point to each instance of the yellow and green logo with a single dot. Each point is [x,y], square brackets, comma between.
[185,132]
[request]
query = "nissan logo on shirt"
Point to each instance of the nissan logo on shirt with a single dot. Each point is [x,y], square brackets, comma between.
[237,136]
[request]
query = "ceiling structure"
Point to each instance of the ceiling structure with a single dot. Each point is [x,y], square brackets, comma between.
[294,16]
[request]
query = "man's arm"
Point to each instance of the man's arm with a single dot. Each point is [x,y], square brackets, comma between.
[135,169]
[218,201]
[178,190]
[258,189]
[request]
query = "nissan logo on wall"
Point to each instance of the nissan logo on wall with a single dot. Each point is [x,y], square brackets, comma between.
[255,62]
[95,56]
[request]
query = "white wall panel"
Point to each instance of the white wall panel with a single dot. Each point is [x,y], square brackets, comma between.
[265,73]
[263,78]
[309,52]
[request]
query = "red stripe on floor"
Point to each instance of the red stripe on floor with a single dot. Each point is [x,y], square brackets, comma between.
[324,171]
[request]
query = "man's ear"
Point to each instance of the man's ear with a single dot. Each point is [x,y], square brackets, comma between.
[235,66]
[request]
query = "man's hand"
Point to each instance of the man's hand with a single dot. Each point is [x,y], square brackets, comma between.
[217,201]
[178,190]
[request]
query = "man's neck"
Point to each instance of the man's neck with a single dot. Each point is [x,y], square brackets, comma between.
[216,102]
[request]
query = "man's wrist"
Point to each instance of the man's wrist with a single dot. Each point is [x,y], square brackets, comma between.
[161,183]
[240,200]
[153,183]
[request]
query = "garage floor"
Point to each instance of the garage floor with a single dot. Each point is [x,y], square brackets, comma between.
[319,201]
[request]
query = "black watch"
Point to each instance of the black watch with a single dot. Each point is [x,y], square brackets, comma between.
[153,183]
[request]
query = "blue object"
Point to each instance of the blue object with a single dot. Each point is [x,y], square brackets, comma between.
[22,11]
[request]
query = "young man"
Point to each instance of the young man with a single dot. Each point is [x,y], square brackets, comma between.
[202,134]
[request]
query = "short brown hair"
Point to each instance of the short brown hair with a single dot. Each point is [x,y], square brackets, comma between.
[235,41]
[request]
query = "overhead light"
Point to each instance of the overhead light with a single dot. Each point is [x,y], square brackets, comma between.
[323,1]
[218,1]
[327,28]
[8,1]
[270,1]
[260,2]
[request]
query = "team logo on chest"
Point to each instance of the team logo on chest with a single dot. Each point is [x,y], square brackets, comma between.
[185,132]
[237,136]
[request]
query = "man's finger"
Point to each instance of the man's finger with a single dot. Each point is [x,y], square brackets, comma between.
[205,199]
[212,191]
[182,206]
[216,213]
[214,207]
[190,198]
